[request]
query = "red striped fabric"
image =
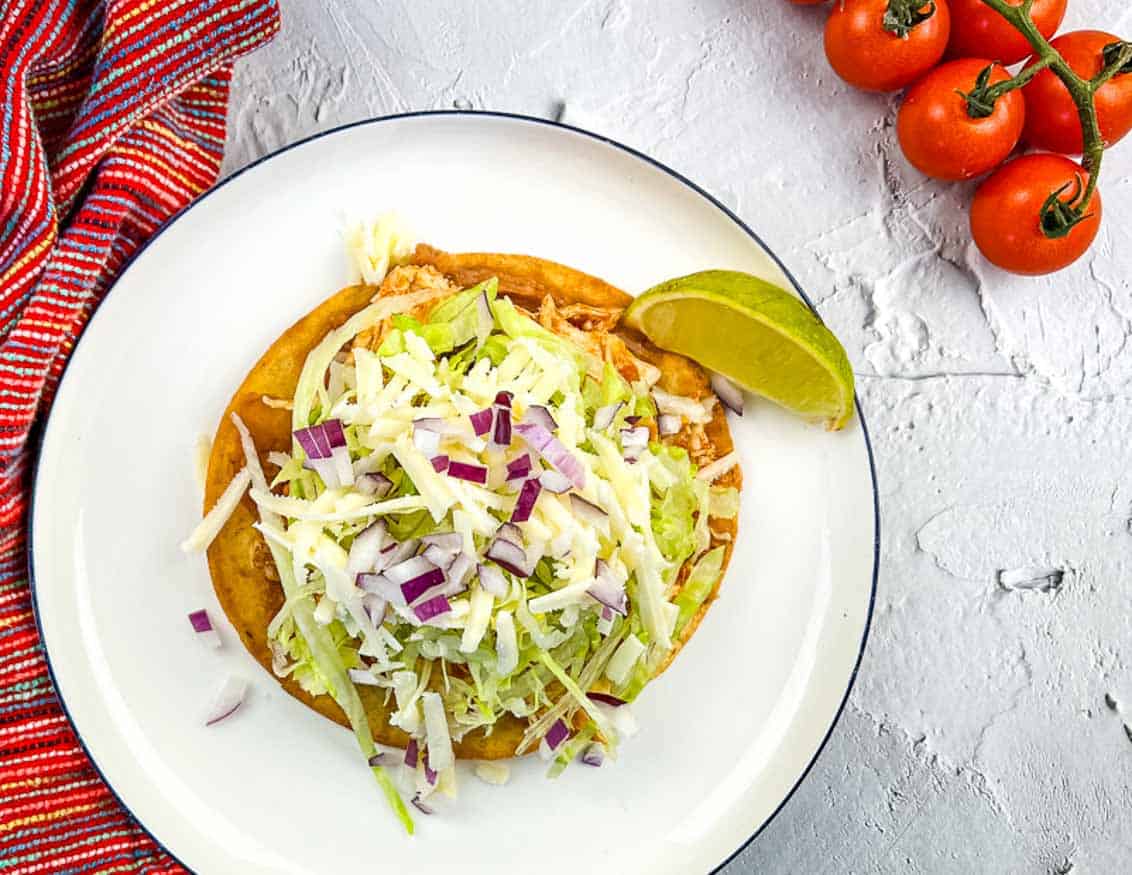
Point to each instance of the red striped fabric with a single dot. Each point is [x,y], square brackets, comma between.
[112,118]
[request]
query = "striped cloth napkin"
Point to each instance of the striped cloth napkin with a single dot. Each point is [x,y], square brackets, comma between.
[111,120]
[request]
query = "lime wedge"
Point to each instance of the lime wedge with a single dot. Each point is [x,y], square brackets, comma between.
[755,333]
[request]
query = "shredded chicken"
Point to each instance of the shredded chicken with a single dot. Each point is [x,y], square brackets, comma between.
[594,334]
[261,559]
[276,403]
[405,280]
[590,318]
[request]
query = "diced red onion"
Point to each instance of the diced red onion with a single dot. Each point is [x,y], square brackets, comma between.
[401,552]
[605,699]
[481,421]
[519,468]
[588,511]
[419,585]
[528,495]
[634,438]
[553,450]
[429,772]
[404,571]
[668,423]
[501,432]
[622,719]
[432,423]
[464,471]
[557,734]
[366,548]
[605,621]
[538,415]
[362,677]
[608,590]
[325,448]
[314,449]
[432,608]
[319,441]
[335,437]
[632,420]
[510,556]
[439,556]
[503,399]
[452,541]
[604,416]
[374,606]
[492,580]
[439,464]
[411,751]
[327,469]
[459,571]
[730,394]
[594,755]
[554,481]
[509,532]
[343,467]
[374,485]
[380,585]
[227,701]
[420,806]
[202,625]
[376,760]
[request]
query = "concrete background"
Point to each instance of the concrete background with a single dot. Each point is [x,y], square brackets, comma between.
[989,728]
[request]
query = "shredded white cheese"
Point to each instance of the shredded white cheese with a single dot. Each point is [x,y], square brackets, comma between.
[214,520]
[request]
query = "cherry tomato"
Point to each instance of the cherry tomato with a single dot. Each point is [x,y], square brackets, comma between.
[977,31]
[1006,215]
[938,135]
[865,54]
[1051,115]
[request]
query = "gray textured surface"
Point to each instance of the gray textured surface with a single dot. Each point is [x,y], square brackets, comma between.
[988,729]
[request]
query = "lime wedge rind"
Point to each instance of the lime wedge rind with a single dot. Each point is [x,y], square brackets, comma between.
[755,333]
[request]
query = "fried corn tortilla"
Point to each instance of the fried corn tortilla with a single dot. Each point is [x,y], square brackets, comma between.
[568,302]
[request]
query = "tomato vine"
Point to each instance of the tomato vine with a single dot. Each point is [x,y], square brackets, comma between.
[1058,216]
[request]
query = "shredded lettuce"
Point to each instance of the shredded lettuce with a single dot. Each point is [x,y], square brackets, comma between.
[724,502]
[672,517]
[611,389]
[494,350]
[439,336]
[515,325]
[699,585]
[454,307]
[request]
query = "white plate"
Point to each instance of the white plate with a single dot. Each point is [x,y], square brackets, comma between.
[727,732]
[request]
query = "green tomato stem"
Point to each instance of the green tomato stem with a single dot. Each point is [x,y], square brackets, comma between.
[903,15]
[1117,58]
[1081,90]
[981,99]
